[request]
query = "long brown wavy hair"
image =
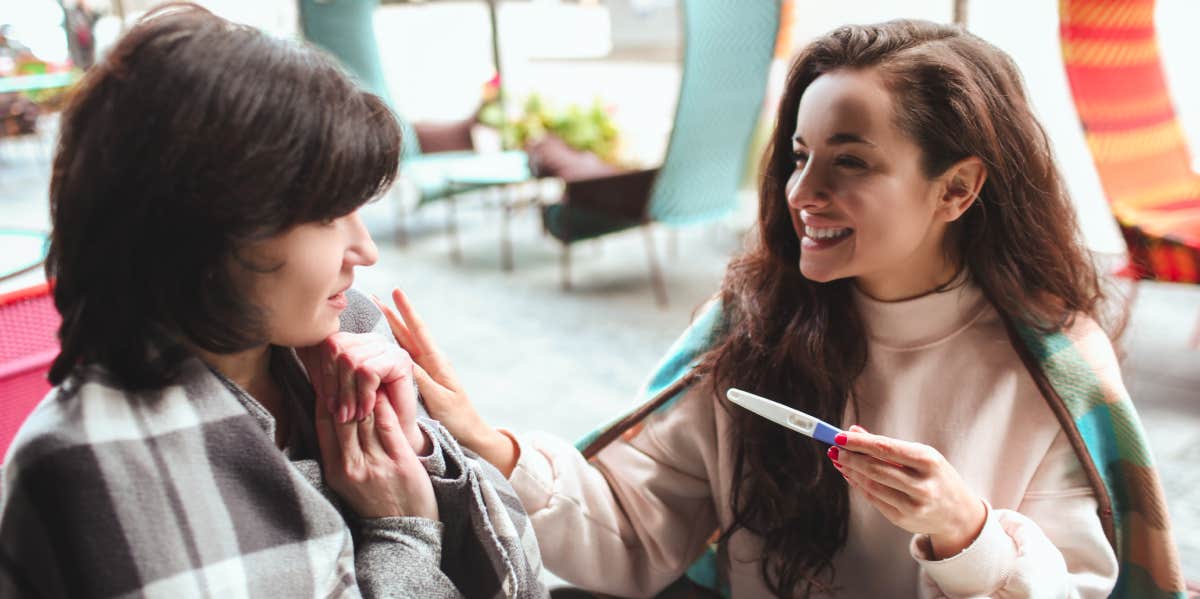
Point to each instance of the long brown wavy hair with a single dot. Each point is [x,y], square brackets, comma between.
[803,343]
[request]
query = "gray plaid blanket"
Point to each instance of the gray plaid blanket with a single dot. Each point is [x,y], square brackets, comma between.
[181,492]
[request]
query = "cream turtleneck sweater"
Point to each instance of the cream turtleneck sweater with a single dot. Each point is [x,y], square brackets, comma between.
[940,371]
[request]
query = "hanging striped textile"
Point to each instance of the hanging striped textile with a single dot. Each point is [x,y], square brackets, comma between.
[1110,49]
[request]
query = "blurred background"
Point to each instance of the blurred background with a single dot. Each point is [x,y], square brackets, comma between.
[553,324]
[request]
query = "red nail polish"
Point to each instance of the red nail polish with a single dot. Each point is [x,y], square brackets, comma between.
[833,453]
[840,439]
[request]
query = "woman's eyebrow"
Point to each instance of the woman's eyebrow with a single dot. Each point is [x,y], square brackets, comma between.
[838,139]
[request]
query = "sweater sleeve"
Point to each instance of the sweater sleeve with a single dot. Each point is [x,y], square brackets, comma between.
[632,520]
[1053,545]
[399,557]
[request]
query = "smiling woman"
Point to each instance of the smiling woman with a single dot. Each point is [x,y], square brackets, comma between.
[917,281]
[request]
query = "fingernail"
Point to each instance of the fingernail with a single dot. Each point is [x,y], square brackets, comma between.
[840,439]
[343,415]
[833,454]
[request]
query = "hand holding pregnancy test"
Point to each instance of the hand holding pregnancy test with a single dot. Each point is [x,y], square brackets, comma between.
[911,484]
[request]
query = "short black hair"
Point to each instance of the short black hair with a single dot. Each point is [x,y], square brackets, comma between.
[193,138]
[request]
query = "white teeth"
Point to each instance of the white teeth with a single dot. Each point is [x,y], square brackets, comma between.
[815,233]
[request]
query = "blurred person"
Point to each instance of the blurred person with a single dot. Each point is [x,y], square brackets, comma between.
[11,50]
[80,25]
[915,245]
[18,114]
[204,205]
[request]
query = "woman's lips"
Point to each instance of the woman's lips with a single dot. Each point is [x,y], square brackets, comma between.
[338,300]
[821,238]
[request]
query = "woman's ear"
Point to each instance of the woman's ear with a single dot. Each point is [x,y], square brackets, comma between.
[962,183]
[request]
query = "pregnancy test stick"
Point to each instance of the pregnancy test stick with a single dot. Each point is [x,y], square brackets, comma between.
[785,416]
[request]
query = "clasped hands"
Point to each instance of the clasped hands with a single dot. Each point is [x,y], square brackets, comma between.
[365,418]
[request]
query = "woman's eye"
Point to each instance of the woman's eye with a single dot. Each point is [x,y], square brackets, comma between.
[851,162]
[799,157]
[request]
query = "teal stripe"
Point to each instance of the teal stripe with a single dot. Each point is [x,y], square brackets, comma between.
[683,353]
[706,572]
[1134,582]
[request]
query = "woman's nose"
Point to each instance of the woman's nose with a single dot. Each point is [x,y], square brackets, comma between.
[363,250]
[807,190]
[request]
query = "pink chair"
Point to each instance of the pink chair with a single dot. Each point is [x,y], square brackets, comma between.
[28,343]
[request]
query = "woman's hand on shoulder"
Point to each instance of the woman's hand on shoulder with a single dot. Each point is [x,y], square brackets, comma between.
[913,486]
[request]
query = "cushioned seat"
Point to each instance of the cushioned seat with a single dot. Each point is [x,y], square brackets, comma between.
[445,173]
[577,224]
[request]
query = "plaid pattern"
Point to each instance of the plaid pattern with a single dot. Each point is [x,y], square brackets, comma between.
[1091,403]
[1100,415]
[181,492]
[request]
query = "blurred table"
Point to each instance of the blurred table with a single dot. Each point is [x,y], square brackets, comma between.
[22,251]
[30,83]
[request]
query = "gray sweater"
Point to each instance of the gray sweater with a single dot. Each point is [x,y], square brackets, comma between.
[181,492]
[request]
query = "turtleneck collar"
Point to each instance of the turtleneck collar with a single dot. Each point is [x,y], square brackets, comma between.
[921,321]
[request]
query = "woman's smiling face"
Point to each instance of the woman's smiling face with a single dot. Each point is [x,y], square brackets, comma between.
[858,198]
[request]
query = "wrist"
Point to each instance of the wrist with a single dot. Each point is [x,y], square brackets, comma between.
[500,449]
[966,529]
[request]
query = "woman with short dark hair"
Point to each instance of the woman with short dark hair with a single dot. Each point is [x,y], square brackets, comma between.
[204,203]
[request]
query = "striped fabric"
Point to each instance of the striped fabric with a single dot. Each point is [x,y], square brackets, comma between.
[1117,456]
[181,491]
[1096,412]
[1112,59]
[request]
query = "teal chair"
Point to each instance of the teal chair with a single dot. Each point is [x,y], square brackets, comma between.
[345,29]
[729,45]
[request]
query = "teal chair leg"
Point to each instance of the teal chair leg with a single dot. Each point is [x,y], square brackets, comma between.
[656,276]
[565,261]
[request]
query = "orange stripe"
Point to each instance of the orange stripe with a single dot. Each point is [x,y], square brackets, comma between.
[1106,14]
[1132,178]
[1136,143]
[1153,549]
[1174,191]
[1104,109]
[1109,53]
